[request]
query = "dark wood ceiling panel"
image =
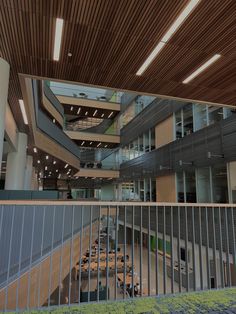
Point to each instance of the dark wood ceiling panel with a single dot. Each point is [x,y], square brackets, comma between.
[109,40]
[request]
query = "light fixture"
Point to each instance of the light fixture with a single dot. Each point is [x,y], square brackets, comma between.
[174,27]
[59,176]
[46,168]
[54,121]
[102,115]
[95,112]
[54,162]
[99,144]
[78,110]
[86,113]
[110,114]
[82,143]
[66,166]
[105,146]
[58,36]
[57,170]
[38,161]
[23,112]
[90,143]
[71,108]
[202,68]
[35,150]
[47,157]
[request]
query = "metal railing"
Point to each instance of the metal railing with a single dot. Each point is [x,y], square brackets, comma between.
[55,253]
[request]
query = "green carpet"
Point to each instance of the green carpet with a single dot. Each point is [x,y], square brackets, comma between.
[214,301]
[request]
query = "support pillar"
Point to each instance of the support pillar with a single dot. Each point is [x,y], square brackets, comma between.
[4,81]
[28,173]
[16,163]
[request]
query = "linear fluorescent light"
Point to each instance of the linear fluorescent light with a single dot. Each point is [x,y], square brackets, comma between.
[86,113]
[202,68]
[23,112]
[110,114]
[58,36]
[78,110]
[95,112]
[35,150]
[82,143]
[102,115]
[174,27]
[66,166]
[99,144]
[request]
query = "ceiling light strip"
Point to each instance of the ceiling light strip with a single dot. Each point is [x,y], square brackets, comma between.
[174,27]
[202,68]
[23,112]
[58,37]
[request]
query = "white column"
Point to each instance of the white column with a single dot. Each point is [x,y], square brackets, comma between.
[34,180]
[4,80]
[16,163]
[28,173]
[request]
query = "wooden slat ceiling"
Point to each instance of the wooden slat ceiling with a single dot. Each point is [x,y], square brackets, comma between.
[110,39]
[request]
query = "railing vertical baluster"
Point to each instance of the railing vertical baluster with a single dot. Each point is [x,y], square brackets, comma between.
[193,250]
[41,257]
[164,250]
[124,291]
[9,258]
[214,246]
[30,265]
[116,247]
[90,244]
[200,246]
[19,260]
[71,251]
[98,260]
[51,253]
[207,250]
[81,249]
[220,250]
[233,240]
[107,254]
[156,247]
[149,254]
[172,249]
[186,246]
[141,250]
[227,248]
[178,246]
[61,253]
[132,252]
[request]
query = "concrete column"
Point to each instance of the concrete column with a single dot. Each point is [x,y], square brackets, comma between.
[28,173]
[16,163]
[34,180]
[4,80]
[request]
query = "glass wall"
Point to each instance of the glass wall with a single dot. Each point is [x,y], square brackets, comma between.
[194,117]
[140,190]
[143,144]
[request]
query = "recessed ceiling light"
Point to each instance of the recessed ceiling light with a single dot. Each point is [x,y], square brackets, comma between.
[99,144]
[110,114]
[105,146]
[59,176]
[86,113]
[54,162]
[47,157]
[23,112]
[38,161]
[66,166]
[71,108]
[69,54]
[46,168]
[90,143]
[174,27]
[82,143]
[35,150]
[95,112]
[54,121]
[202,68]
[58,36]
[102,115]
[78,110]
[57,170]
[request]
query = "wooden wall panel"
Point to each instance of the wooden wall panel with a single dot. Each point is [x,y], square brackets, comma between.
[166,188]
[164,132]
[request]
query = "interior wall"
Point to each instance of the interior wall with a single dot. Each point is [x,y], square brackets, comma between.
[164,132]
[166,188]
